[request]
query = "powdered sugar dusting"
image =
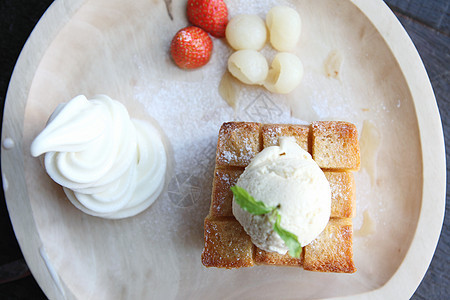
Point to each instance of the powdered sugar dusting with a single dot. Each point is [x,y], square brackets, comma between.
[337,189]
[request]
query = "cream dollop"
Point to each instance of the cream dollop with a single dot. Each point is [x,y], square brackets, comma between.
[109,165]
[287,177]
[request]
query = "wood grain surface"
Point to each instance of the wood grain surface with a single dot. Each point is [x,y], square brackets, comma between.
[427,23]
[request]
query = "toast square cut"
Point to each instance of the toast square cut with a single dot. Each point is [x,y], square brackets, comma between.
[272,132]
[222,196]
[342,185]
[335,145]
[238,143]
[263,257]
[226,244]
[332,250]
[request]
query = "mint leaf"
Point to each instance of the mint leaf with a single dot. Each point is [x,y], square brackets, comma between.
[290,239]
[248,203]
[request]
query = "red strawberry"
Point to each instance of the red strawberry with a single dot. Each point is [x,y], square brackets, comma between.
[211,15]
[191,47]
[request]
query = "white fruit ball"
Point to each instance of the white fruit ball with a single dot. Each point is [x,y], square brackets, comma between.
[285,74]
[284,26]
[249,66]
[246,32]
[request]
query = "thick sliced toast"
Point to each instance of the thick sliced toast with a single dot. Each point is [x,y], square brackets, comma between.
[333,145]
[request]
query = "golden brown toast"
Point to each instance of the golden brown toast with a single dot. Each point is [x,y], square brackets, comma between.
[334,145]
[226,244]
[332,250]
[342,185]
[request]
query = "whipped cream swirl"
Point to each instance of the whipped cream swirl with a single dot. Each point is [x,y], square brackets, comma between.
[109,165]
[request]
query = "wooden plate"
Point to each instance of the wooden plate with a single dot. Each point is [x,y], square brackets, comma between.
[120,48]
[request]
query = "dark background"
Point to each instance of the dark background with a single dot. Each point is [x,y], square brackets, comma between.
[428,24]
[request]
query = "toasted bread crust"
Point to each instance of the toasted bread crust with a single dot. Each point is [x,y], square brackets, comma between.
[238,143]
[273,258]
[332,250]
[335,145]
[342,185]
[226,244]
[222,196]
[272,132]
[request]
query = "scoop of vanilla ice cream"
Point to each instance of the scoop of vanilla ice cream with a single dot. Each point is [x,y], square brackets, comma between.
[286,177]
